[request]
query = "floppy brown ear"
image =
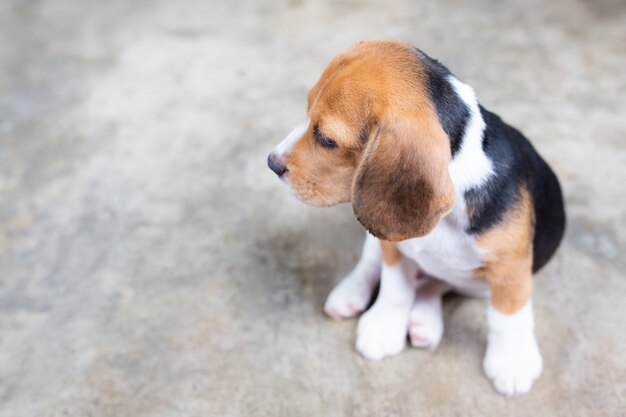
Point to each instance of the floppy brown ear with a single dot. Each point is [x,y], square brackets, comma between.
[402,186]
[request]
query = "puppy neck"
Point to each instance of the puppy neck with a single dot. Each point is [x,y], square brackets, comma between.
[470,167]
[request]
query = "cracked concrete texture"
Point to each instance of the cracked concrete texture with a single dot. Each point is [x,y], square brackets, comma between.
[151,265]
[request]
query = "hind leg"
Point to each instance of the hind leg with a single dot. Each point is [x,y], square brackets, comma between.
[513,361]
[426,317]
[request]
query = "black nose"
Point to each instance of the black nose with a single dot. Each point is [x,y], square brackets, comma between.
[274,163]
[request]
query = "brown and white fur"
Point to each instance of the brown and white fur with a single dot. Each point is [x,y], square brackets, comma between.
[452,198]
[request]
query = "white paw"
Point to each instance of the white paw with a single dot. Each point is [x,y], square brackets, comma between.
[512,362]
[426,323]
[382,332]
[349,298]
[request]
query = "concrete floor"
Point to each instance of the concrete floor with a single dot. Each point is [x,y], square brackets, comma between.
[151,265]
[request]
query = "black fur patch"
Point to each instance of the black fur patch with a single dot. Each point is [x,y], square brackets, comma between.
[452,111]
[516,163]
[489,203]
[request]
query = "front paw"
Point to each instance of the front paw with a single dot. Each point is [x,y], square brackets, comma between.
[349,298]
[382,332]
[513,362]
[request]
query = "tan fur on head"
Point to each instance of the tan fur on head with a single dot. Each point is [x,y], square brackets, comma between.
[392,154]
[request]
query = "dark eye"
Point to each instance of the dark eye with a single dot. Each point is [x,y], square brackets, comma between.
[324,141]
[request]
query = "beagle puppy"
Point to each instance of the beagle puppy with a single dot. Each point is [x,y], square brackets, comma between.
[452,197]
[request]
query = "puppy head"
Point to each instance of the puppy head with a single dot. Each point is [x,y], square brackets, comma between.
[372,137]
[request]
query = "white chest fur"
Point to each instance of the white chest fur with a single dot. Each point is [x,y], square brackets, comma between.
[446,252]
[450,254]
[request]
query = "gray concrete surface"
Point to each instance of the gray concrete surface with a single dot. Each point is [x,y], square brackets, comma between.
[151,265]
